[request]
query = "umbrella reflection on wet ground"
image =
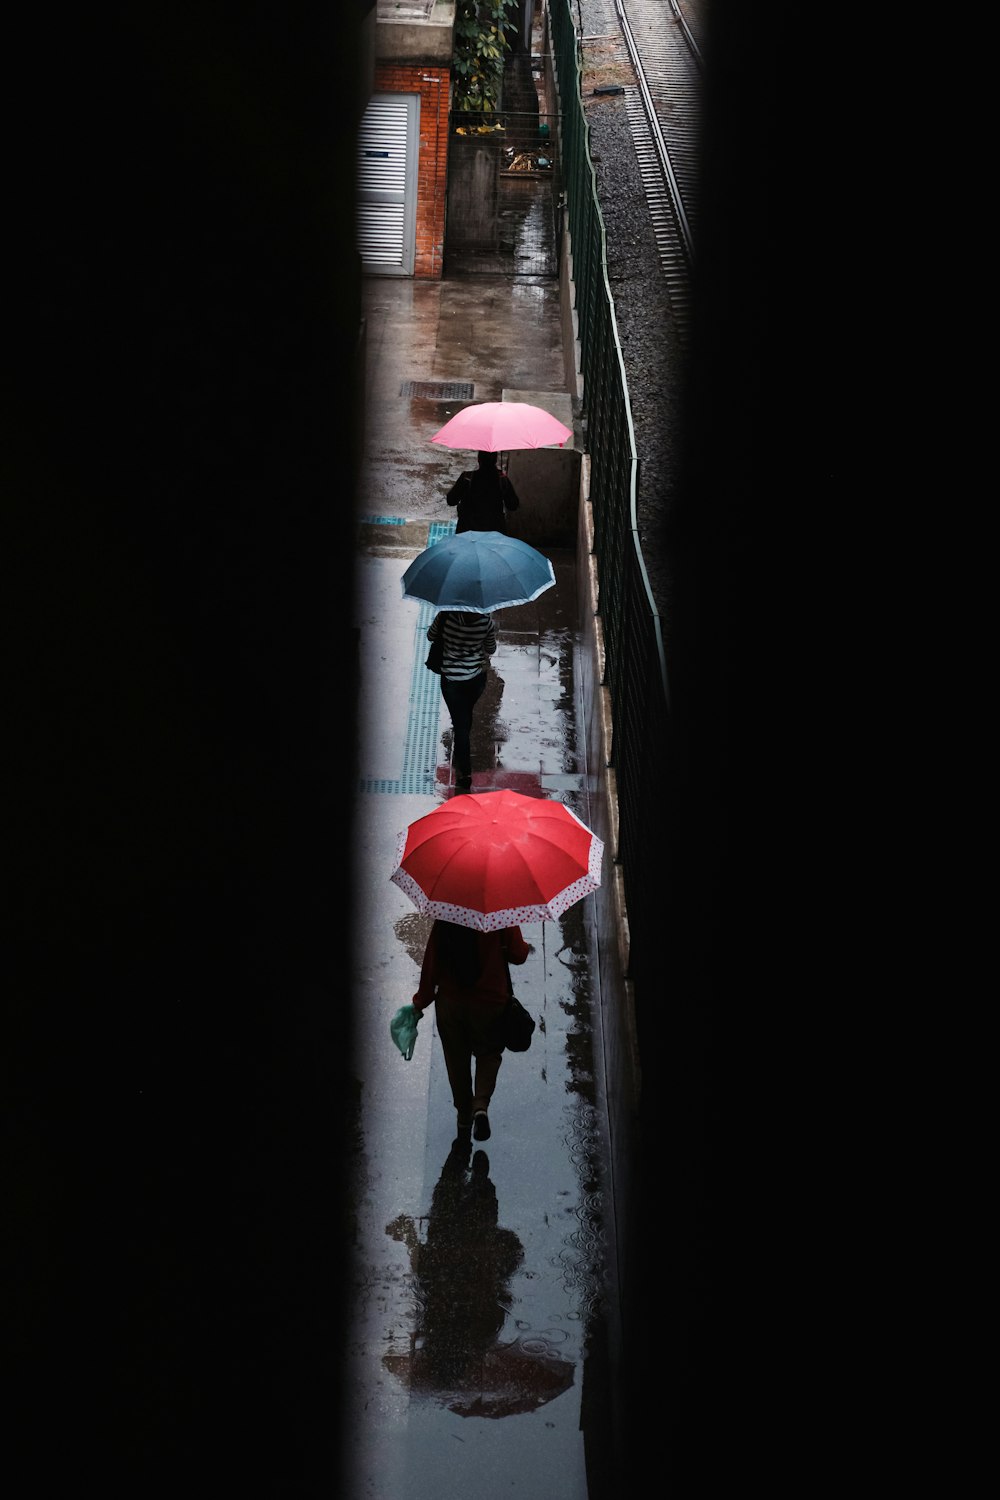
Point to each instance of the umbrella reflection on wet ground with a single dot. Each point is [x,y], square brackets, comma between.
[462,1271]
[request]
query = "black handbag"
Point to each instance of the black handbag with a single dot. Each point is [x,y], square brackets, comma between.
[518,1026]
[435,656]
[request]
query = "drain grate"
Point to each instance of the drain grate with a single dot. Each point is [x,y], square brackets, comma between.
[438,390]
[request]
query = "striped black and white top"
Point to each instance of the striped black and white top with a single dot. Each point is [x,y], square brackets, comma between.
[469,641]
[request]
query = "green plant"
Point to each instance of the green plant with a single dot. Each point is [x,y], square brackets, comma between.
[481,48]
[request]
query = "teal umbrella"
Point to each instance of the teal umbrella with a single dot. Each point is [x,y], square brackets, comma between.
[478,571]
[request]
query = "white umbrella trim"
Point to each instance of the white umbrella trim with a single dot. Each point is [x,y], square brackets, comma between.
[464,916]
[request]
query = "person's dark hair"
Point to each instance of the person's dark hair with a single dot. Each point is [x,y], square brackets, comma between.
[487,460]
[458,948]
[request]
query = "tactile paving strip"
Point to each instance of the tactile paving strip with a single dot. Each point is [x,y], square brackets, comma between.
[419,764]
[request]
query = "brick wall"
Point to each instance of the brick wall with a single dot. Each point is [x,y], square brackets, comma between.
[432,84]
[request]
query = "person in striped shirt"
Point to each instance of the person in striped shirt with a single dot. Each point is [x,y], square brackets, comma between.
[469,640]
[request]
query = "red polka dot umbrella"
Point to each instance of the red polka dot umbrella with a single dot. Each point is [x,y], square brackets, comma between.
[495,859]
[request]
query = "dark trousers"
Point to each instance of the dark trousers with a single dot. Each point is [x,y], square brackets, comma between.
[471,1056]
[461,698]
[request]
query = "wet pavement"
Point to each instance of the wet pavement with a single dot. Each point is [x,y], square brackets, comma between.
[480,1307]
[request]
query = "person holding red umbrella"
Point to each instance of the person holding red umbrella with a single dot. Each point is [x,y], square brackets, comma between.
[464,972]
[480,865]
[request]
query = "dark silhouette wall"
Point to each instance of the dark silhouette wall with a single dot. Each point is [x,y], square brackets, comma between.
[178,465]
[738,1069]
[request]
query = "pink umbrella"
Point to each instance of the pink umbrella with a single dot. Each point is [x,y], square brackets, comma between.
[499,426]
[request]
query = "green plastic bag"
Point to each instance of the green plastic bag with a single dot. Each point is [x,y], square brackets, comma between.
[403,1029]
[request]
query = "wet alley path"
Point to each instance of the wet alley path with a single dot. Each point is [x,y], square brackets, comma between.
[480,1288]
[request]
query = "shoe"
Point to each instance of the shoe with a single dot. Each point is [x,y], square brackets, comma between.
[481,1125]
[461,1150]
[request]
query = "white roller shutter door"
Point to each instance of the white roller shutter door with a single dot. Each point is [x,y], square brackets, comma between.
[387,168]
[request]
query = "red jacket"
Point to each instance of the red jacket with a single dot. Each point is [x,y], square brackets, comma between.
[492,982]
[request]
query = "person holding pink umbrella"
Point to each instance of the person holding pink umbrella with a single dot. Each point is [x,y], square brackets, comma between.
[483,497]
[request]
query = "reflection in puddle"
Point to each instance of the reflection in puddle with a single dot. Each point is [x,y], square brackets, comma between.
[526,234]
[462,1271]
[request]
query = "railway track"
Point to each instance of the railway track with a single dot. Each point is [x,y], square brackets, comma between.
[661,42]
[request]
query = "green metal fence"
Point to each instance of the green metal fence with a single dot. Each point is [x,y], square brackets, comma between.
[635,665]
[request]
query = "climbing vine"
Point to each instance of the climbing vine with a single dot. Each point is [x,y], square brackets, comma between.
[481,48]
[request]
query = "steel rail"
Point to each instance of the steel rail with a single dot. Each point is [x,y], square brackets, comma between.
[653,125]
[688,34]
